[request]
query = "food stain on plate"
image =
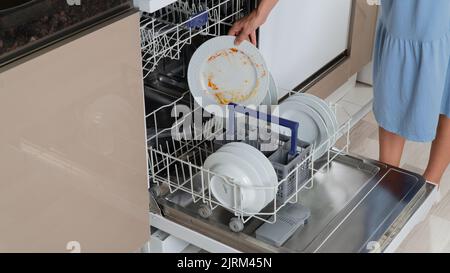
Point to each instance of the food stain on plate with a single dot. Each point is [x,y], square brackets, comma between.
[225,98]
[211,84]
[222,53]
[235,96]
[264,74]
[238,94]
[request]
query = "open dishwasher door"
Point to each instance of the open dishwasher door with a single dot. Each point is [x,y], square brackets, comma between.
[357,205]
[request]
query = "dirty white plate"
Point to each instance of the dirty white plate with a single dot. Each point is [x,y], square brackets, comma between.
[221,72]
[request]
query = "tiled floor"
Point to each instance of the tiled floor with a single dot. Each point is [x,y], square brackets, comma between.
[432,235]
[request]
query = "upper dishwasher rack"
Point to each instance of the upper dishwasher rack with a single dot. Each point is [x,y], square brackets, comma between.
[164,33]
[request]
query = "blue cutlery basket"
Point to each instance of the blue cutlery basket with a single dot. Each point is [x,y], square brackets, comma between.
[285,164]
[198,20]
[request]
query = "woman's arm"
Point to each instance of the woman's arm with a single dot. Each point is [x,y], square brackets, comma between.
[245,28]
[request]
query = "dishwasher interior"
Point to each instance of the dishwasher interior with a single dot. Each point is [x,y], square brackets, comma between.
[353,202]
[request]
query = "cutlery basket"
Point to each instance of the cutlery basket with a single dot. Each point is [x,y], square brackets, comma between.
[291,160]
[293,170]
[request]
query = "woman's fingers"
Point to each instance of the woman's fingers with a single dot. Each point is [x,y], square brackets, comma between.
[253,38]
[245,35]
[235,30]
[245,29]
[240,38]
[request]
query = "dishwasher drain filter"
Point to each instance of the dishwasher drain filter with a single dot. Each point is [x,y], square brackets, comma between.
[289,220]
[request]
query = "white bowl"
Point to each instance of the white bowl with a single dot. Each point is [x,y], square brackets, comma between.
[244,187]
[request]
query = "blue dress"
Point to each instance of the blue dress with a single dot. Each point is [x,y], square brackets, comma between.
[412,67]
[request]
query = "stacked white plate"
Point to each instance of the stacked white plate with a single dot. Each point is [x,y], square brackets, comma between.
[272,94]
[317,121]
[242,179]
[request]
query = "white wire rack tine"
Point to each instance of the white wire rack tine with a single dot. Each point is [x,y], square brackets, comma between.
[194,156]
[311,180]
[174,147]
[212,147]
[348,137]
[149,162]
[168,175]
[177,174]
[184,173]
[156,129]
[328,157]
[203,187]
[219,19]
[191,178]
[175,113]
[152,167]
[209,191]
[161,168]
[275,203]
[234,198]
[168,147]
[296,183]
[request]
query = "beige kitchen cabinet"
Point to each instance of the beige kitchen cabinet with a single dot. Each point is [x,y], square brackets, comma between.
[73,162]
[359,53]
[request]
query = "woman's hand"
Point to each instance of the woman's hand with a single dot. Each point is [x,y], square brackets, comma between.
[245,28]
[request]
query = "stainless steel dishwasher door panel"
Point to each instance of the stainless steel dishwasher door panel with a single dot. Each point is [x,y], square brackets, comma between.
[361,224]
[333,191]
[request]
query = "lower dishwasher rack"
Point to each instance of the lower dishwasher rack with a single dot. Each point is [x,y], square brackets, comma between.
[358,205]
[177,155]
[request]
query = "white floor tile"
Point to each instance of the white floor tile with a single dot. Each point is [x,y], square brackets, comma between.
[416,154]
[360,95]
[431,236]
[347,109]
[442,210]
[371,119]
[445,184]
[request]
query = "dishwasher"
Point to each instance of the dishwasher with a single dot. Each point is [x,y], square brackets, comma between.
[346,203]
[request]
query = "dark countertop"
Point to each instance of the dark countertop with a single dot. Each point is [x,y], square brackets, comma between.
[33,23]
